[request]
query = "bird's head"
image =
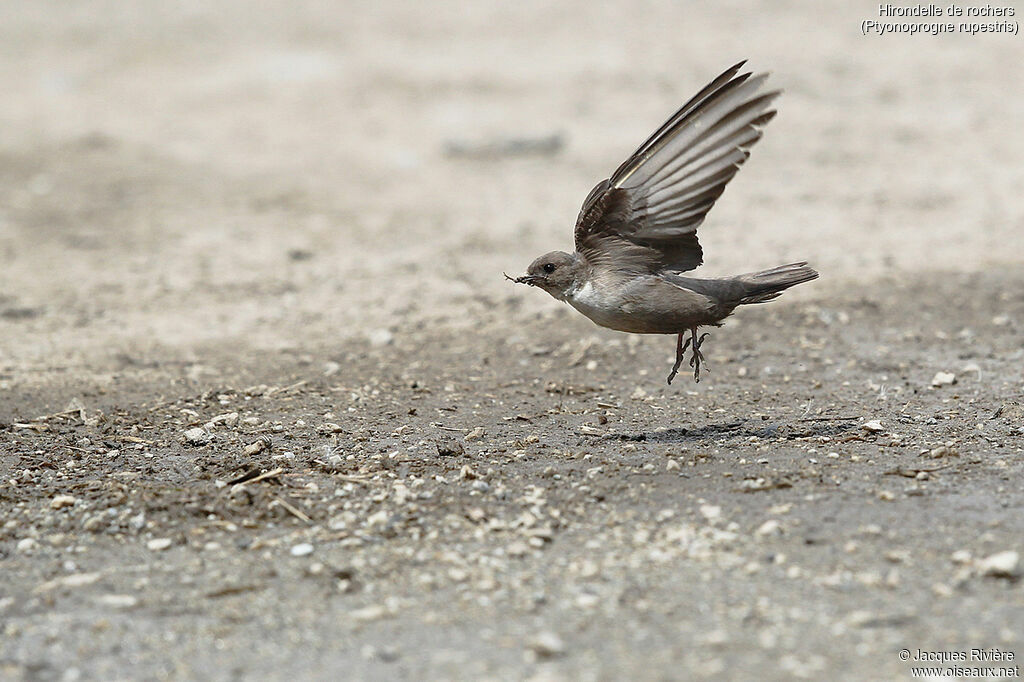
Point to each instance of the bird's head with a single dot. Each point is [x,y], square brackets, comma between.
[553,272]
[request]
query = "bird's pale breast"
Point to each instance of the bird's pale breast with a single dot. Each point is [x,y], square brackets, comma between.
[643,305]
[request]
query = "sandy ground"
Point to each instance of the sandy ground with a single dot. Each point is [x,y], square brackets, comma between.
[223,226]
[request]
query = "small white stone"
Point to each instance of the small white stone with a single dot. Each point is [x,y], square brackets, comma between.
[228,418]
[117,601]
[874,426]
[547,644]
[943,379]
[61,501]
[158,544]
[769,527]
[1001,564]
[302,549]
[368,613]
[26,545]
[380,337]
[197,436]
[518,549]
[711,512]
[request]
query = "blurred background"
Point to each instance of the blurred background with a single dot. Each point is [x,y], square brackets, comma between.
[290,174]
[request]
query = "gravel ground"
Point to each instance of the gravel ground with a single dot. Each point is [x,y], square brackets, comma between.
[268,409]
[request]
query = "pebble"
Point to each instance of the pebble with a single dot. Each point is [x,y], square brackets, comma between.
[874,426]
[117,601]
[1004,564]
[944,451]
[518,549]
[380,337]
[368,613]
[61,501]
[158,544]
[943,379]
[229,418]
[301,549]
[547,644]
[26,545]
[711,512]
[769,527]
[196,436]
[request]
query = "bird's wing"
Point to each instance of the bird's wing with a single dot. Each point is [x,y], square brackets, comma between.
[645,217]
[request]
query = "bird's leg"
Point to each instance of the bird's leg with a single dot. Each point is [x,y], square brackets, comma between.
[697,356]
[680,351]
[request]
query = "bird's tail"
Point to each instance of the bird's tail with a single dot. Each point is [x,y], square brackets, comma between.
[759,287]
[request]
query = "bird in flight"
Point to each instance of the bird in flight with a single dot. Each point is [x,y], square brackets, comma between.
[637,231]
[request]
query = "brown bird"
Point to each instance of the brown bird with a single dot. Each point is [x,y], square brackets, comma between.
[637,230]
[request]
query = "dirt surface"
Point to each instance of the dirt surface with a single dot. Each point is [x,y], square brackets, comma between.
[268,409]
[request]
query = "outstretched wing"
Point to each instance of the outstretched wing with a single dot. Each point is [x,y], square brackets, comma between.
[645,217]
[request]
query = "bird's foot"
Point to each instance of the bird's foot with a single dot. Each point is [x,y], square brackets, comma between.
[697,357]
[680,354]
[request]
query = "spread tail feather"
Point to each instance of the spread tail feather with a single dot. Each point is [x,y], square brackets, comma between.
[759,287]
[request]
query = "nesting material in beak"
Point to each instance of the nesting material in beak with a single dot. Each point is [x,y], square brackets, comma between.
[525,279]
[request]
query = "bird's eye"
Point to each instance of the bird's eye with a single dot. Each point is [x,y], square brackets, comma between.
[549,268]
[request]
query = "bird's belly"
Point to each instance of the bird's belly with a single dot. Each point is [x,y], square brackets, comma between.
[640,310]
[608,309]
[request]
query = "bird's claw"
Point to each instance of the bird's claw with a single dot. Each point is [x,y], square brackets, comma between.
[696,357]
